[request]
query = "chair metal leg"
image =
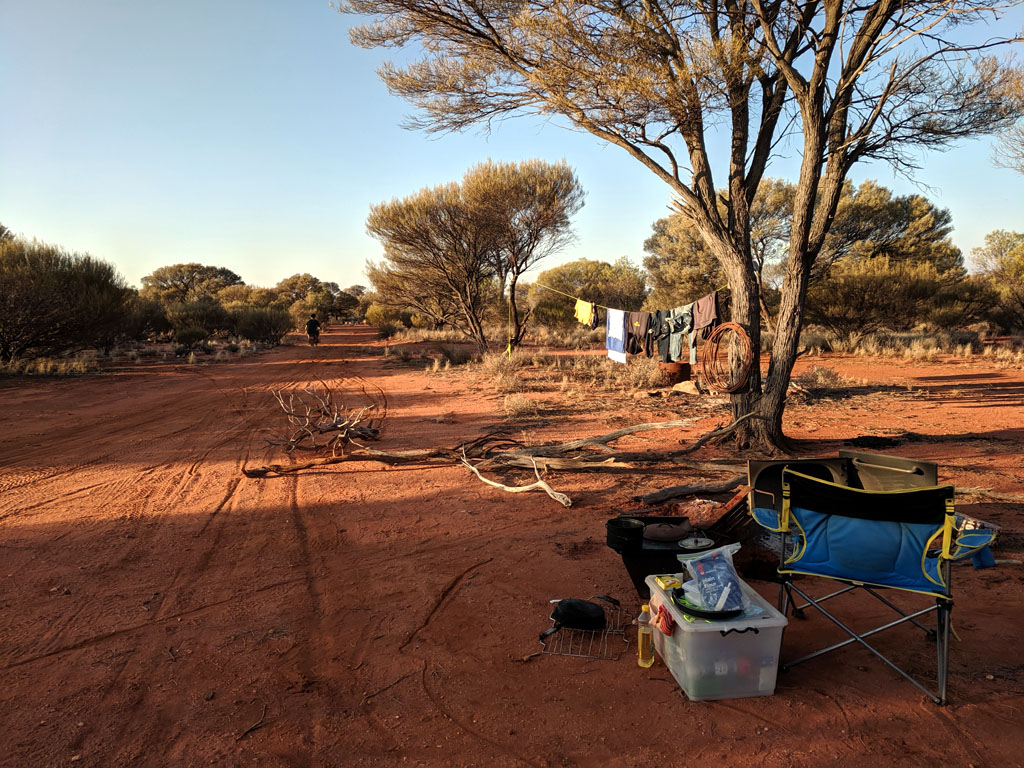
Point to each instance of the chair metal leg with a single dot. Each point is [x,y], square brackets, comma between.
[829,596]
[927,631]
[855,638]
[944,616]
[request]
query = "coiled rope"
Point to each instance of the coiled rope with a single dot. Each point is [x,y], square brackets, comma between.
[721,373]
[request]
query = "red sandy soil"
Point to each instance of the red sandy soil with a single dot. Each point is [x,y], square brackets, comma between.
[156,604]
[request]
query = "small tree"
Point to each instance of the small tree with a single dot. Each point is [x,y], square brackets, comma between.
[394,289]
[438,245]
[858,297]
[205,313]
[297,287]
[1001,261]
[241,295]
[53,301]
[146,319]
[970,299]
[528,207]
[263,325]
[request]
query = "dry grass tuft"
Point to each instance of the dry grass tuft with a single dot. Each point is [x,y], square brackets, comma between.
[456,355]
[519,406]
[819,379]
[51,366]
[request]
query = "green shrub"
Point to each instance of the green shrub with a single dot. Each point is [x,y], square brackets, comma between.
[190,337]
[379,315]
[388,330]
[262,325]
[205,313]
[146,320]
[456,355]
[53,301]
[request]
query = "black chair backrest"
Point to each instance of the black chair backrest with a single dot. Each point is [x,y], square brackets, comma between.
[914,505]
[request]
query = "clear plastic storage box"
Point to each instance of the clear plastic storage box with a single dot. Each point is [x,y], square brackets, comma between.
[721,659]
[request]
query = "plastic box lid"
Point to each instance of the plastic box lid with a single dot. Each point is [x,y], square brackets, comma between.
[760,614]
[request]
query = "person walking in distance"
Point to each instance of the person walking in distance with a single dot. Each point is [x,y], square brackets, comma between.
[313,330]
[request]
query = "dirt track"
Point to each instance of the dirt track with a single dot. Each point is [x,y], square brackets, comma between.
[155,604]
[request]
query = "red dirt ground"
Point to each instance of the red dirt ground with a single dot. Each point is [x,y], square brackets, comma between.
[156,604]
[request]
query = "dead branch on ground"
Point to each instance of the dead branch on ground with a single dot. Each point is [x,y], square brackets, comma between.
[254,726]
[676,491]
[599,441]
[321,423]
[561,498]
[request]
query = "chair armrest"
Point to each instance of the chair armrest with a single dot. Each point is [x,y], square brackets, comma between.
[766,517]
[967,543]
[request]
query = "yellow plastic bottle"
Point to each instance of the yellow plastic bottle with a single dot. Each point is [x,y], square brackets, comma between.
[645,638]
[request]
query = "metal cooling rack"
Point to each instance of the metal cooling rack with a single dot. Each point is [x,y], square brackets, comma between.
[608,643]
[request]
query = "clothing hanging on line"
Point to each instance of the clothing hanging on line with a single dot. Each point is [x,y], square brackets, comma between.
[638,340]
[668,328]
[586,313]
[705,314]
[615,335]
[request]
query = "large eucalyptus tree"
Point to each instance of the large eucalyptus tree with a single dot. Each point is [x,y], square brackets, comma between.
[842,82]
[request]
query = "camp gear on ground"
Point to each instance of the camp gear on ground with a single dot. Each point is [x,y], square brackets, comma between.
[569,634]
[645,639]
[573,613]
[727,659]
[667,531]
[624,532]
[871,540]
[716,578]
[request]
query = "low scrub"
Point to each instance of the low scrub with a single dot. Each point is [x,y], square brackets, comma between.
[819,379]
[456,355]
[262,325]
[427,334]
[517,406]
[50,366]
[189,338]
[388,330]
[572,337]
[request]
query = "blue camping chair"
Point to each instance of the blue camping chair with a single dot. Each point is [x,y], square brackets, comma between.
[872,540]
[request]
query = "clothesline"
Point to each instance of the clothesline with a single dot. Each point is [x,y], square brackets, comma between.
[602,306]
[508,348]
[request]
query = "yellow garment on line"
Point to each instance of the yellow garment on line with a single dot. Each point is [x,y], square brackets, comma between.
[585,312]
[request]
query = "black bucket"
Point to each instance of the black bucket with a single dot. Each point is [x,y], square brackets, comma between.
[625,533]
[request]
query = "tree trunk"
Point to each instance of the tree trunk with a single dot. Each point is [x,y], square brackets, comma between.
[475,329]
[514,331]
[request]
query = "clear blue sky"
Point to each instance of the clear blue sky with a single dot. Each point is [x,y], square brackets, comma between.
[251,134]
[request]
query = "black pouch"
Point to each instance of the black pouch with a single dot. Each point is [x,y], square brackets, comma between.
[573,613]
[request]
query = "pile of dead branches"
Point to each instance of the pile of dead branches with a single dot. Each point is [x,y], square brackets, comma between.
[319,425]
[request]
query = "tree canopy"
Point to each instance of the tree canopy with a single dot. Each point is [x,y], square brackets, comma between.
[435,246]
[840,82]
[54,301]
[1001,261]
[620,285]
[870,222]
[181,283]
[449,251]
[529,207]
